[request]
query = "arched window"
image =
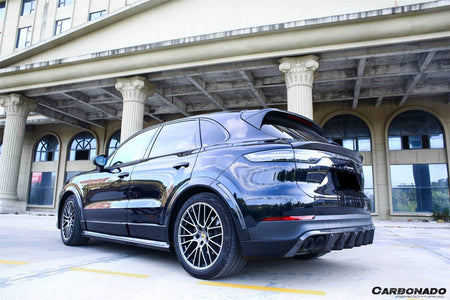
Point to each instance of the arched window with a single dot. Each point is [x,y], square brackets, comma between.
[114,142]
[417,186]
[348,131]
[415,129]
[352,133]
[83,147]
[47,149]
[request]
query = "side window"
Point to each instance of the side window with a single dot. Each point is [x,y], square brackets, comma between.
[134,149]
[211,133]
[175,138]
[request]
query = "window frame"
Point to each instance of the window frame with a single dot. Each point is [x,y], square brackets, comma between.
[2,10]
[198,140]
[29,9]
[94,138]
[357,139]
[55,151]
[218,125]
[91,14]
[63,3]
[55,183]
[404,141]
[144,153]
[27,37]
[108,145]
[60,24]
[415,187]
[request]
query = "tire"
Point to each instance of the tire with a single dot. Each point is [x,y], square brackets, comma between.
[70,223]
[205,239]
[311,255]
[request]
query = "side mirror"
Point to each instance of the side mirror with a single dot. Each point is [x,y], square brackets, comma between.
[100,161]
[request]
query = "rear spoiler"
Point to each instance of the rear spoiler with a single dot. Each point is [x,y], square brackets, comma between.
[257,118]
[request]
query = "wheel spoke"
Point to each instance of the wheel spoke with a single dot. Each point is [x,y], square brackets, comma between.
[214,236]
[192,252]
[212,220]
[215,243]
[187,230]
[204,215]
[212,249]
[215,227]
[202,256]
[186,221]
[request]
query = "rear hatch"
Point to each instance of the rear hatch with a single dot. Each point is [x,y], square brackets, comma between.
[325,171]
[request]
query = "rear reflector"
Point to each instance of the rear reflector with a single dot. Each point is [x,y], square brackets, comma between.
[289,218]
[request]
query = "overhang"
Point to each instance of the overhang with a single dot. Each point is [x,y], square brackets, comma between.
[370,56]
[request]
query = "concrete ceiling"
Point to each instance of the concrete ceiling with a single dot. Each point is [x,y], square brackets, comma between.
[398,72]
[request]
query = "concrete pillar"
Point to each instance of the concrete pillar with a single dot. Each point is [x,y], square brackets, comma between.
[135,90]
[299,75]
[17,108]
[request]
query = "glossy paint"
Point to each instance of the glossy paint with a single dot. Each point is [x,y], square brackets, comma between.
[141,199]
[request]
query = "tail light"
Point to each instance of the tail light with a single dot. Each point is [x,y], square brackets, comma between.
[280,155]
[292,155]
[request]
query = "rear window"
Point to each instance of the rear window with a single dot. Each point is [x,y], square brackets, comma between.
[290,129]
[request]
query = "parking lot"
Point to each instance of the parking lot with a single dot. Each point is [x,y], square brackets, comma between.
[35,264]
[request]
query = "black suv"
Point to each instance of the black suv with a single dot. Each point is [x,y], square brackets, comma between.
[222,188]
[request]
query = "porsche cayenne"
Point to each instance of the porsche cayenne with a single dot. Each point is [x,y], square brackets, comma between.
[221,188]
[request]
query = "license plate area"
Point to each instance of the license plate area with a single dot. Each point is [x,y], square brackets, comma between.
[346,181]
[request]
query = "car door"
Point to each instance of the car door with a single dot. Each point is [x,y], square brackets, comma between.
[108,194]
[156,180]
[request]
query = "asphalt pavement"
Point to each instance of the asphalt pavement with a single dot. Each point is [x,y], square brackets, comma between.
[408,257]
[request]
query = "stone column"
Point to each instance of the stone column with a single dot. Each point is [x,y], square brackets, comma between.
[17,108]
[299,75]
[135,90]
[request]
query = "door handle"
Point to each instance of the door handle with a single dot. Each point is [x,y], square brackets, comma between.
[181,165]
[123,174]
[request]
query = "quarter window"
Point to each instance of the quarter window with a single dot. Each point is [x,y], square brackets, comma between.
[176,138]
[134,149]
[348,131]
[211,133]
[415,129]
[83,147]
[420,187]
[47,149]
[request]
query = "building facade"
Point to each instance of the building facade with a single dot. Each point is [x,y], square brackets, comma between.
[77,77]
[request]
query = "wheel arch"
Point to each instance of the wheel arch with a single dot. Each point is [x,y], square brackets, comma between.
[69,191]
[203,187]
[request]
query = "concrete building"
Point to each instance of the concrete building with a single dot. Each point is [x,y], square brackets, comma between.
[78,76]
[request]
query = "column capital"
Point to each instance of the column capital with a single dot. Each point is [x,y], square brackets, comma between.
[16,104]
[299,71]
[135,89]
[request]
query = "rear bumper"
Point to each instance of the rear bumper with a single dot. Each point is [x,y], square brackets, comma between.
[323,234]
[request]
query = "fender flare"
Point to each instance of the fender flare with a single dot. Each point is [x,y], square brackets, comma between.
[74,190]
[216,187]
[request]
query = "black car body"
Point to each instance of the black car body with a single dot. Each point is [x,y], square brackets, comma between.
[222,188]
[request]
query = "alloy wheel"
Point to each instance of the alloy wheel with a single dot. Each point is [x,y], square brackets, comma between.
[68,220]
[200,236]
